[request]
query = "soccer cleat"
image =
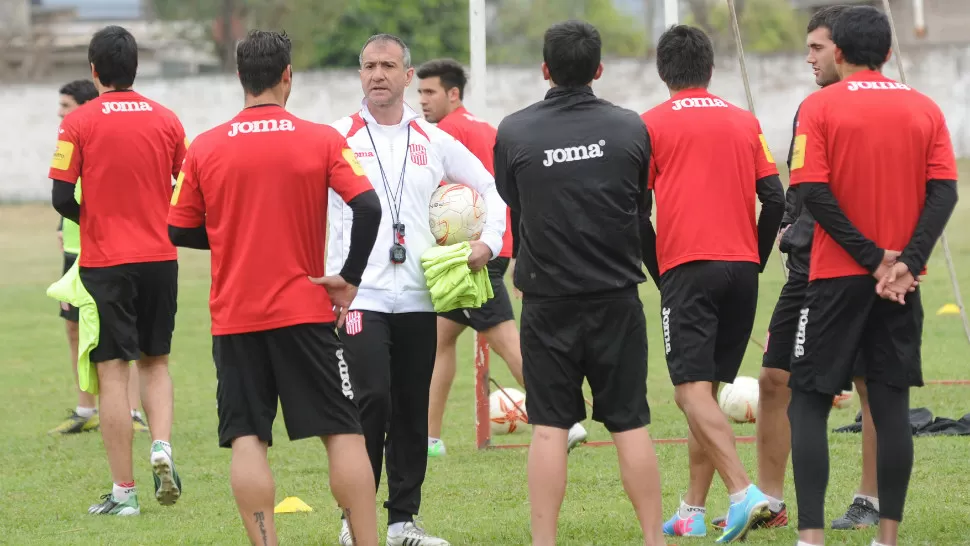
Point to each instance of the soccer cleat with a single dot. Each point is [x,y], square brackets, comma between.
[168,486]
[777,519]
[744,515]
[436,448]
[345,538]
[75,424]
[694,526]
[111,507]
[412,535]
[138,424]
[861,514]
[577,436]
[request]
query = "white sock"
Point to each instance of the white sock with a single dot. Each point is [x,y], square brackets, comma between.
[86,413]
[687,510]
[121,494]
[739,496]
[135,413]
[874,543]
[432,441]
[395,528]
[873,500]
[167,447]
[803,543]
[774,504]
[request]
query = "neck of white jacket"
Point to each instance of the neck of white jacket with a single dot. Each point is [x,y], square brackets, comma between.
[391,114]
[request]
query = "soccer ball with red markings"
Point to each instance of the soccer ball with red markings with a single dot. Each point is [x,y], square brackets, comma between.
[457,214]
[507,411]
[844,400]
[739,401]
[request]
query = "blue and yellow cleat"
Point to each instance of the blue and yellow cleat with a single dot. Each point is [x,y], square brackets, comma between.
[693,526]
[744,515]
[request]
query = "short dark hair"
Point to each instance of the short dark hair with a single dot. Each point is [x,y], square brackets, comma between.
[572,52]
[80,90]
[450,71]
[685,57]
[825,18]
[385,38]
[114,54]
[864,36]
[261,58]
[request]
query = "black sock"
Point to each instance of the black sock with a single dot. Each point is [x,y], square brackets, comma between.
[894,447]
[808,413]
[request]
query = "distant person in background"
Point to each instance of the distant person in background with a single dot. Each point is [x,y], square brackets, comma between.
[84,417]
[128,149]
[442,89]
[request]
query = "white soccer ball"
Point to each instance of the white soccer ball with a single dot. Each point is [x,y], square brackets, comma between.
[739,401]
[507,411]
[844,400]
[457,214]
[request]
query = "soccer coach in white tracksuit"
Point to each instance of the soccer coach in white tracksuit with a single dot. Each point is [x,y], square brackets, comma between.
[390,333]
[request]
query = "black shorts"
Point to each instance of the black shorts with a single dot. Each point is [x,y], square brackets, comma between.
[68,311]
[844,319]
[494,311]
[136,307]
[601,337]
[301,367]
[707,314]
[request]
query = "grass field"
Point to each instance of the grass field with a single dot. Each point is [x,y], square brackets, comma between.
[470,497]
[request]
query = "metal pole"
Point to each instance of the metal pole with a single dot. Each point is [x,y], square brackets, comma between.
[943,242]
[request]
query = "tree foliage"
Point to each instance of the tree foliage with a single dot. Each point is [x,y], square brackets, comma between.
[517,34]
[765,25]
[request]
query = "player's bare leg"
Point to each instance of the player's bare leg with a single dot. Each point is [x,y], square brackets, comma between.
[547,482]
[701,473]
[444,373]
[711,430]
[159,401]
[641,481]
[773,431]
[254,490]
[134,399]
[504,340]
[116,418]
[352,485]
[157,395]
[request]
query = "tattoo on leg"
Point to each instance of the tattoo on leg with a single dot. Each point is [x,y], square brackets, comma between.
[261,521]
[353,537]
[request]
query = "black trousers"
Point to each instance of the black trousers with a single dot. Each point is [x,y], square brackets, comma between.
[391,359]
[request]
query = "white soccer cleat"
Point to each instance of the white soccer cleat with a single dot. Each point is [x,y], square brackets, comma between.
[412,535]
[576,436]
[345,538]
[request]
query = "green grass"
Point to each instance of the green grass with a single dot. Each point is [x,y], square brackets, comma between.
[470,497]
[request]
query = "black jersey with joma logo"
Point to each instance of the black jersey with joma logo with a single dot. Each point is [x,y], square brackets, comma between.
[573,169]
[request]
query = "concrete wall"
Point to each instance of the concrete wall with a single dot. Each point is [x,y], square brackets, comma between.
[28,119]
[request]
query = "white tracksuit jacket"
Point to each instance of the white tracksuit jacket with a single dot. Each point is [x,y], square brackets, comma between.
[432,156]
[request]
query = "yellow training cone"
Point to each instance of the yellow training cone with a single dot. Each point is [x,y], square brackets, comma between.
[290,505]
[949,309]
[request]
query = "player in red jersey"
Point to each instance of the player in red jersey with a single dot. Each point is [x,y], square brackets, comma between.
[874,164]
[127,149]
[442,88]
[707,259]
[264,216]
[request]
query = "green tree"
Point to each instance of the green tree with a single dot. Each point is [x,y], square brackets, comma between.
[431,28]
[520,25]
[766,25]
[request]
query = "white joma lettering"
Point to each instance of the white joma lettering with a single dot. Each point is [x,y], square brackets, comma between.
[125,106]
[855,86]
[345,385]
[575,153]
[699,102]
[261,126]
[800,334]
[665,312]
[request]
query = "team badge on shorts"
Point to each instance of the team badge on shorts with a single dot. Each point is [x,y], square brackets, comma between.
[354,323]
